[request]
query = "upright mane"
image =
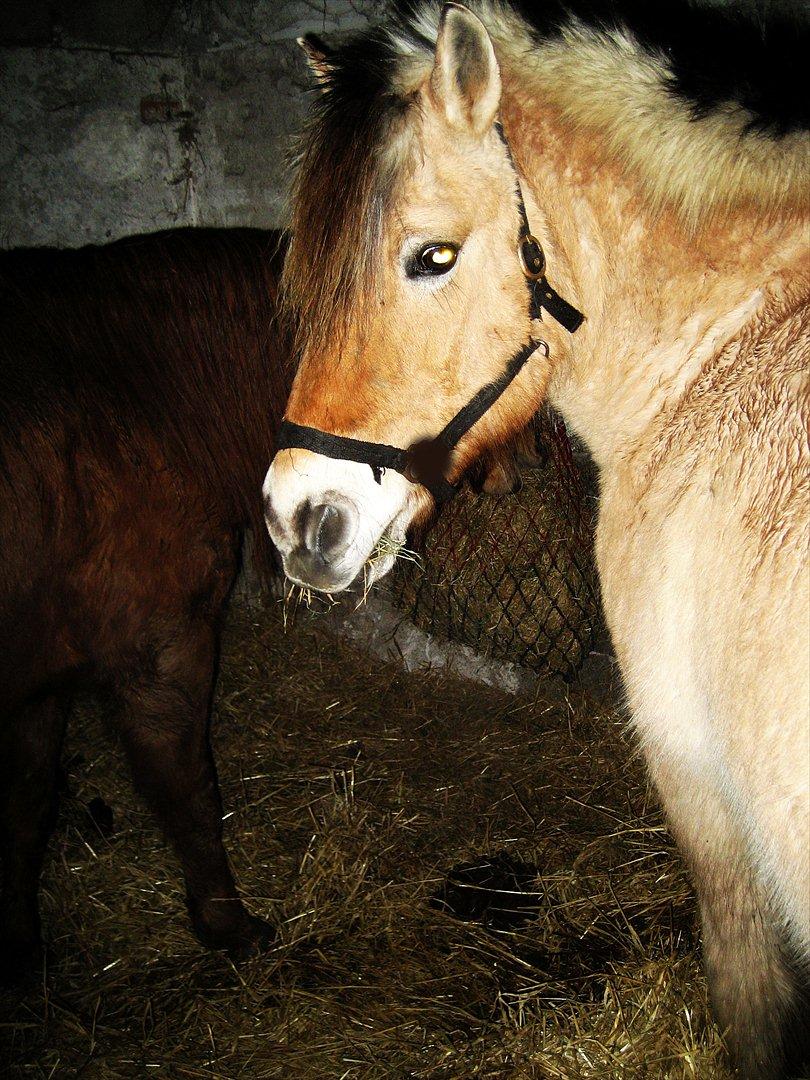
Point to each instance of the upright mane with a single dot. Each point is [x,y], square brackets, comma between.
[163,344]
[708,107]
[711,57]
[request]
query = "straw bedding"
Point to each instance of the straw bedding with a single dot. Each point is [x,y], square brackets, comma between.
[466,884]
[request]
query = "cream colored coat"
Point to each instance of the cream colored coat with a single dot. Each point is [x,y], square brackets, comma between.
[685,243]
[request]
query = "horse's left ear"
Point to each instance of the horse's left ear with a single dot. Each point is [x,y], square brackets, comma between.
[465,82]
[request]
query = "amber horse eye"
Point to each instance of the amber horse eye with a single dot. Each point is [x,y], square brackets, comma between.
[435,259]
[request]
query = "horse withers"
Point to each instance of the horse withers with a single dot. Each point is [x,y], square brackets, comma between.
[645,167]
[141,385]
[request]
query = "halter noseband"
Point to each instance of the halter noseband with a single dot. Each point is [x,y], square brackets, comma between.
[427,462]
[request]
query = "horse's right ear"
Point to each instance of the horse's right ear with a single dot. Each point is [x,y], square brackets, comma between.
[317,54]
[465,82]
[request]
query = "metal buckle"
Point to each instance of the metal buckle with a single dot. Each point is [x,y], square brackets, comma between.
[532,257]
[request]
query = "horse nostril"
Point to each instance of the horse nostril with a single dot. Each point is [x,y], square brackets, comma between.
[326,531]
[270,515]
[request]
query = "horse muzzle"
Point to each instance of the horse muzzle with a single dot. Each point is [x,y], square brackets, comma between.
[321,537]
[326,517]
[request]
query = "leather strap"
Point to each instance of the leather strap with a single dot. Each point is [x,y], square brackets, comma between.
[424,463]
[542,295]
[377,455]
[565,314]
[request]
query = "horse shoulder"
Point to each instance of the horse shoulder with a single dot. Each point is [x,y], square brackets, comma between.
[702,543]
[702,549]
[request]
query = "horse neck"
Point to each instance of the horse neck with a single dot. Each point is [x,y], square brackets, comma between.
[660,299]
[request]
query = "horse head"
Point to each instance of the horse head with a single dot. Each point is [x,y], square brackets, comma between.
[410,295]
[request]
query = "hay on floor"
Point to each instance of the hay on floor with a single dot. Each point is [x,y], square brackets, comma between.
[351,791]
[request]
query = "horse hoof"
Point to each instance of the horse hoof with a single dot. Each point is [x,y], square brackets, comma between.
[241,935]
[257,938]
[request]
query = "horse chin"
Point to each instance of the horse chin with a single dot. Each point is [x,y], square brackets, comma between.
[325,588]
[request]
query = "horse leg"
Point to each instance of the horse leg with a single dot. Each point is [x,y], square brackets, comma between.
[755,993]
[164,727]
[30,749]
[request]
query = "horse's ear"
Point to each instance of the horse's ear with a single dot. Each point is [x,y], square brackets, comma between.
[465,82]
[317,53]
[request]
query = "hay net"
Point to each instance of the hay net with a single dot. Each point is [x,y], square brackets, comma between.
[512,576]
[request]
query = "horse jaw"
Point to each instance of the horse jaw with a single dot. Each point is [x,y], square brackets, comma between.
[374,519]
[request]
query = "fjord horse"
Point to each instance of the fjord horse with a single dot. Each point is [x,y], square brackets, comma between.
[660,157]
[141,385]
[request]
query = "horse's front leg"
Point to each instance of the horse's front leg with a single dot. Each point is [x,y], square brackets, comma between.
[755,995]
[30,748]
[164,726]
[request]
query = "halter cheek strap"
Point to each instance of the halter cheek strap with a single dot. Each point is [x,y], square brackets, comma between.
[428,462]
[533,261]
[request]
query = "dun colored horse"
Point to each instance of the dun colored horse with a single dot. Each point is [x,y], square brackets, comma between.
[660,156]
[141,388]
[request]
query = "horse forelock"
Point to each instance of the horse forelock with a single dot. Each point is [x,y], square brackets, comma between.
[351,160]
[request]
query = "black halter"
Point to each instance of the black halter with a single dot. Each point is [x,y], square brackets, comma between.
[427,462]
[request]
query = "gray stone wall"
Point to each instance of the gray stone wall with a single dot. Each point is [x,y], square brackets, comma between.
[122,117]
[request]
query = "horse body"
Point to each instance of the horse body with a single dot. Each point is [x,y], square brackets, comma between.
[679,227]
[690,388]
[702,554]
[142,384]
[696,410]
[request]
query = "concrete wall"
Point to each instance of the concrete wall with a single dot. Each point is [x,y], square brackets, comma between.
[128,116]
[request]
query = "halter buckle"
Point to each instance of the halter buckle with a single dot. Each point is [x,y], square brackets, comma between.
[532,257]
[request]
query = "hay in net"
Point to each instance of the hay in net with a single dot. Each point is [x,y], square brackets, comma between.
[513,576]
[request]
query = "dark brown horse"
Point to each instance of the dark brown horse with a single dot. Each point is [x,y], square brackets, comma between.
[140,388]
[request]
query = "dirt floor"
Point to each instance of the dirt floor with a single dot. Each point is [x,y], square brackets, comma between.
[352,790]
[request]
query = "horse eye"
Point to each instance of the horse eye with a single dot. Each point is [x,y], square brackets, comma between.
[434,259]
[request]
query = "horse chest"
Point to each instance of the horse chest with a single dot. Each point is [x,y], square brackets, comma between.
[652,563]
